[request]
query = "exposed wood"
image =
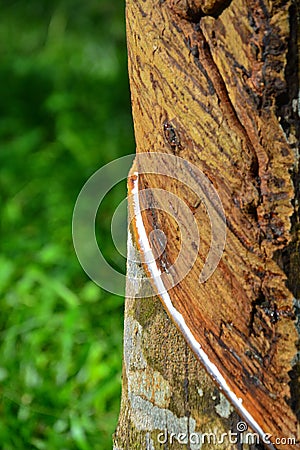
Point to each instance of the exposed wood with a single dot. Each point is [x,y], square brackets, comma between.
[165,389]
[220,91]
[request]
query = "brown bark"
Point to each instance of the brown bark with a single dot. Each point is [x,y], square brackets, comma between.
[216,83]
[165,389]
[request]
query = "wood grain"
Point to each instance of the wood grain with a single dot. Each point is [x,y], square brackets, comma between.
[215,91]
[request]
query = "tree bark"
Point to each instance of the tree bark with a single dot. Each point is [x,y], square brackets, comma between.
[216,83]
[165,389]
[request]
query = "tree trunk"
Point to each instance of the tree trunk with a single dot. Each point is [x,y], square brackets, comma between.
[216,84]
[165,389]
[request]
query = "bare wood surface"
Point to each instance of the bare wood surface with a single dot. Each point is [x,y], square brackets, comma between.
[216,84]
[165,389]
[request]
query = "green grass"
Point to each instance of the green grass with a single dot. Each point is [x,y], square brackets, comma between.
[64,112]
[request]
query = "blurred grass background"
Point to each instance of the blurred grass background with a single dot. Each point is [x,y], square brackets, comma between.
[64,112]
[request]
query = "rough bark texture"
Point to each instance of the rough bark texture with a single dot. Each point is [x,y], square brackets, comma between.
[217,84]
[165,389]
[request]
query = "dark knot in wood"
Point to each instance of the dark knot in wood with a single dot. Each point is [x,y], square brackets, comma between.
[192,10]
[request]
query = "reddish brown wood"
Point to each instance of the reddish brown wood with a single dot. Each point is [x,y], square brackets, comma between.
[214,90]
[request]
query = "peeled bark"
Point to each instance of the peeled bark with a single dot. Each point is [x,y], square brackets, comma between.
[165,389]
[216,83]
